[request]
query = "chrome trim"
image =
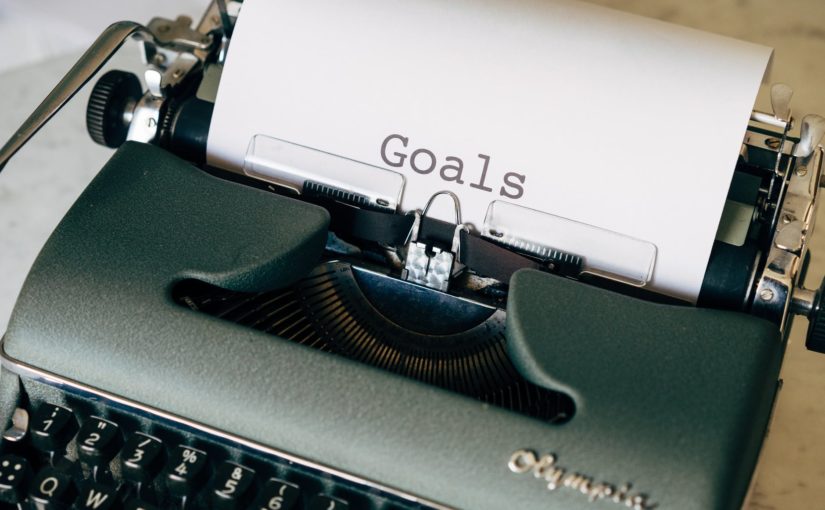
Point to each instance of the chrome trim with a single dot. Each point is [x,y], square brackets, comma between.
[768,118]
[23,369]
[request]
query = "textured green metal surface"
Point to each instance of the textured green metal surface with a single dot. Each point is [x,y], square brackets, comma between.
[673,400]
[9,394]
[691,388]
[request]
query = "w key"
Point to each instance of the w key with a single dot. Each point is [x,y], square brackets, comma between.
[95,496]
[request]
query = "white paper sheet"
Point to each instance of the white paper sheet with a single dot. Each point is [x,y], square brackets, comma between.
[612,120]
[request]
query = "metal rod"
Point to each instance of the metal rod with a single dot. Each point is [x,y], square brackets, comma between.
[86,67]
[769,119]
[225,21]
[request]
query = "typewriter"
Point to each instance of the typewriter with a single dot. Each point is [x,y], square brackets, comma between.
[195,338]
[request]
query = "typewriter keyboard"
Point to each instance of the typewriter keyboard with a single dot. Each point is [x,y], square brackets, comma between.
[68,451]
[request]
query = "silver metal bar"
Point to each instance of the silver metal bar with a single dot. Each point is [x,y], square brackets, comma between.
[811,133]
[767,118]
[86,67]
[225,21]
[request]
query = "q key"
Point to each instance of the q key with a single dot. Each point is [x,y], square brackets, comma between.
[52,489]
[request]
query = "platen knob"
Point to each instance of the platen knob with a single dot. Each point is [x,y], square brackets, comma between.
[816,322]
[112,100]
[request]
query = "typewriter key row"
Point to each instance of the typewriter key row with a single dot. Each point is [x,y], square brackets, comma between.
[67,461]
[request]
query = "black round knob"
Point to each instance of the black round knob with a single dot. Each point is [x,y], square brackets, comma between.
[816,322]
[114,93]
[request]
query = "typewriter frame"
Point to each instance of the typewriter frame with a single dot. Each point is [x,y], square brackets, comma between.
[776,294]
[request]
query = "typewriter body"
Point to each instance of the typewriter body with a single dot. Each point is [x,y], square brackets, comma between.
[193,338]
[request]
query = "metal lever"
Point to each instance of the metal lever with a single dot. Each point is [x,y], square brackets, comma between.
[19,426]
[86,67]
[781,95]
[811,132]
[225,21]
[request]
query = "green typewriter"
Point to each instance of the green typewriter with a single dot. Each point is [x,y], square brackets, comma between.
[195,338]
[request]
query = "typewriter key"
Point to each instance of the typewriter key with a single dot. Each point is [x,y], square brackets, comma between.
[52,488]
[52,427]
[141,458]
[232,486]
[136,504]
[98,441]
[278,495]
[95,496]
[322,502]
[14,473]
[185,471]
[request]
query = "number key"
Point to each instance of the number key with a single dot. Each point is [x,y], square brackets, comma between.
[185,470]
[231,486]
[142,458]
[322,502]
[278,495]
[52,427]
[98,441]
[136,504]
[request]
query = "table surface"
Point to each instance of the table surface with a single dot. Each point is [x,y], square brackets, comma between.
[39,186]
